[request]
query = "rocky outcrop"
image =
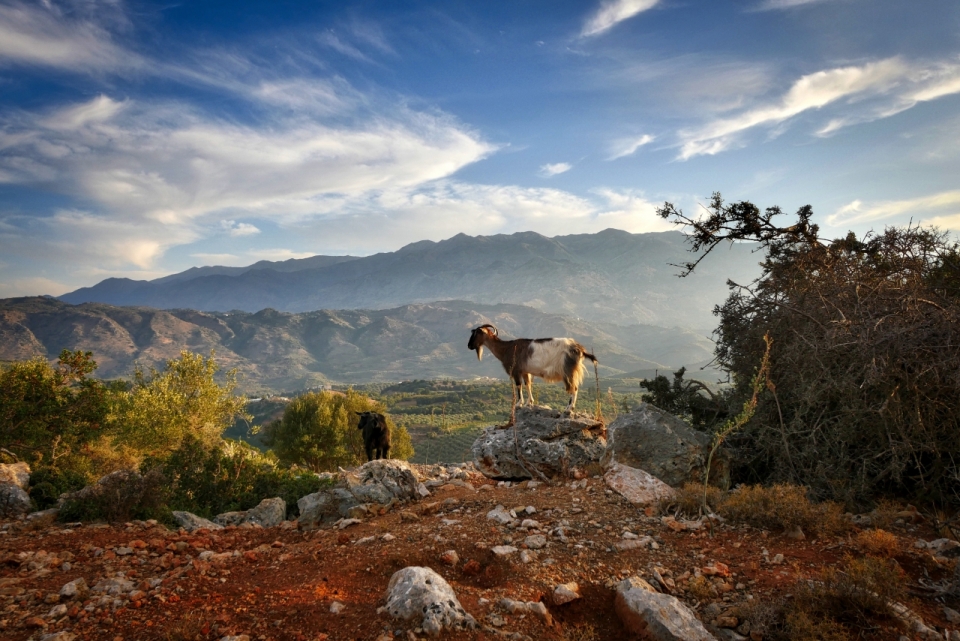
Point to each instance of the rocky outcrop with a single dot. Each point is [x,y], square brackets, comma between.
[269,513]
[377,483]
[660,617]
[191,522]
[637,486]
[661,444]
[420,593]
[551,444]
[16,474]
[14,501]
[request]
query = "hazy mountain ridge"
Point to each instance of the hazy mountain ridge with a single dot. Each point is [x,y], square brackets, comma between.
[283,351]
[612,276]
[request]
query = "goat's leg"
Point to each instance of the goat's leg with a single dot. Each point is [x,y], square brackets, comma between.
[519,385]
[573,401]
[529,378]
[386,452]
[370,452]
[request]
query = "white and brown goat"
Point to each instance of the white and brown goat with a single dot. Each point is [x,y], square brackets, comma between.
[552,359]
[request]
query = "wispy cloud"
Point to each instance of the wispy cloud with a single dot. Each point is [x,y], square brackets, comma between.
[628,146]
[42,34]
[862,93]
[941,209]
[612,12]
[552,169]
[279,254]
[770,5]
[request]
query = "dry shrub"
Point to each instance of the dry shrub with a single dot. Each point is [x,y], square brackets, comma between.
[782,507]
[857,594]
[886,513]
[582,632]
[689,499]
[761,616]
[800,626]
[120,496]
[700,588]
[878,542]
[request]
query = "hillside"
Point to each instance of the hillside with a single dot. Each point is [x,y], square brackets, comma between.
[610,277]
[280,583]
[283,351]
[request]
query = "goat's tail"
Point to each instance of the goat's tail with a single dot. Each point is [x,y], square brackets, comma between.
[591,357]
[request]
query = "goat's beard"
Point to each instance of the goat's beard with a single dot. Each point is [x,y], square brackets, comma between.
[480,353]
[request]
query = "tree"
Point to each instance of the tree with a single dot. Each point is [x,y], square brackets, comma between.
[689,399]
[46,412]
[863,390]
[163,409]
[319,431]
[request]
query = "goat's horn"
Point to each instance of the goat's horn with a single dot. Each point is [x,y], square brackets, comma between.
[496,332]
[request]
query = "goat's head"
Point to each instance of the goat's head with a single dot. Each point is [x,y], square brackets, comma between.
[479,336]
[367,419]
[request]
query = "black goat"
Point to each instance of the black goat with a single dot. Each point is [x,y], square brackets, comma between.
[376,434]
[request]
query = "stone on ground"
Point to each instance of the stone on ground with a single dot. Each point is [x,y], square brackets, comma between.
[14,501]
[637,486]
[551,444]
[269,513]
[565,593]
[416,592]
[191,522]
[664,446]
[660,617]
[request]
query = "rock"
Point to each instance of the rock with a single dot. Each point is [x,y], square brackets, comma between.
[268,513]
[14,501]
[951,615]
[57,611]
[501,515]
[944,547]
[421,593]
[238,637]
[191,522]
[633,544]
[637,486]
[76,589]
[523,607]
[551,443]
[503,550]
[41,519]
[115,586]
[565,593]
[336,607]
[450,557]
[530,524]
[379,483]
[535,541]
[15,474]
[527,556]
[661,617]
[662,445]
[795,533]
[63,635]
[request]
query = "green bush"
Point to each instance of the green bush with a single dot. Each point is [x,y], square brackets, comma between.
[232,476]
[120,496]
[48,483]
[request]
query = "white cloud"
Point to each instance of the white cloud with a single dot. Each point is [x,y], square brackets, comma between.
[236,229]
[32,286]
[554,169]
[868,92]
[941,209]
[628,146]
[217,259]
[612,12]
[44,35]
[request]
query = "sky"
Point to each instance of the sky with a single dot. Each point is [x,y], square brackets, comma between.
[140,138]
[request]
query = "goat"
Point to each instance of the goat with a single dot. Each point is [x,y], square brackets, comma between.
[376,434]
[552,359]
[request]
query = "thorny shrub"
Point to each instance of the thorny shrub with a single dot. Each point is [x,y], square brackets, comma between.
[877,542]
[688,500]
[865,372]
[781,507]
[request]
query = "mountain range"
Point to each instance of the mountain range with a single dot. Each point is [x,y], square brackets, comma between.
[275,351]
[609,277]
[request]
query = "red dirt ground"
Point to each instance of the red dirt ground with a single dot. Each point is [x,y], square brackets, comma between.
[280,584]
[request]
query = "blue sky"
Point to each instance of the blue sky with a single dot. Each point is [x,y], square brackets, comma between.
[141,138]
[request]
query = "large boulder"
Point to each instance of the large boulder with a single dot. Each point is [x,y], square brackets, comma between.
[269,513]
[660,617]
[15,473]
[14,501]
[377,483]
[422,594]
[550,442]
[664,446]
[637,486]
